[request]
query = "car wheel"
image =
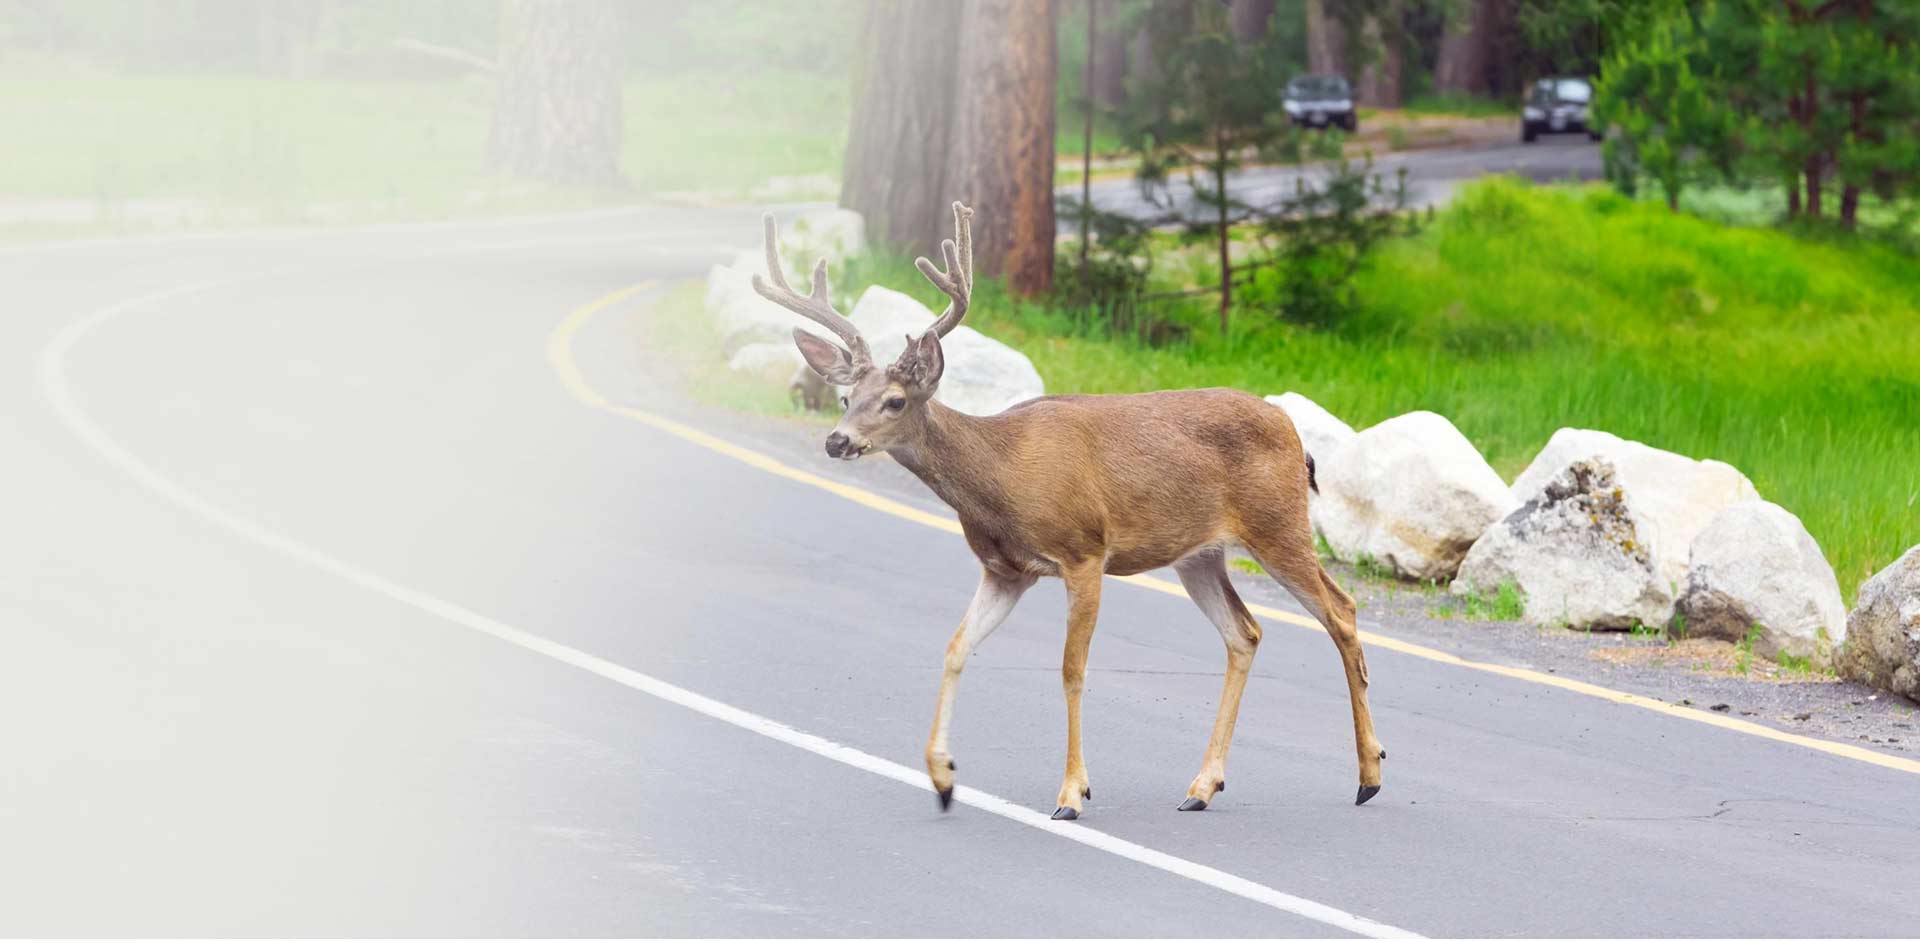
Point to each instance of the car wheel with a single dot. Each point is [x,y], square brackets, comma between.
[1527,133]
[1351,122]
[1595,135]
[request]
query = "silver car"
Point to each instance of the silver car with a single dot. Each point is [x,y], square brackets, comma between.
[1557,106]
[1320,101]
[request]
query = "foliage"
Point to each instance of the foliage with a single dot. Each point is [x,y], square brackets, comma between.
[1804,94]
[1573,37]
[1108,278]
[1505,604]
[1322,235]
[1524,309]
[1213,103]
[1669,122]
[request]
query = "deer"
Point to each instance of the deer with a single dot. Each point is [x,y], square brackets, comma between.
[1078,487]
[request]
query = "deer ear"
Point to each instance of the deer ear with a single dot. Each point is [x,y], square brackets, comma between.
[929,360]
[825,358]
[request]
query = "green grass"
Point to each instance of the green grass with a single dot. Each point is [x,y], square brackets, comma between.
[1505,604]
[1743,651]
[1525,309]
[1071,132]
[324,149]
[1248,566]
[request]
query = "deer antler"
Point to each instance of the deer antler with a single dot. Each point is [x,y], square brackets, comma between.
[957,281]
[816,305]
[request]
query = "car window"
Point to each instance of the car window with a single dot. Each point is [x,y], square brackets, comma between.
[1573,91]
[1318,86]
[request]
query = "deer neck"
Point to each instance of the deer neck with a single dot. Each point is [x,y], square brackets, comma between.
[956,455]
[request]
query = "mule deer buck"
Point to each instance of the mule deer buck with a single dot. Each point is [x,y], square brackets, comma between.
[1078,486]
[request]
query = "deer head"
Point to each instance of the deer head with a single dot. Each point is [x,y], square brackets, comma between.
[884,407]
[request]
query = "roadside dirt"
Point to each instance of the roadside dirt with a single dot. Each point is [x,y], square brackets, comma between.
[1700,673]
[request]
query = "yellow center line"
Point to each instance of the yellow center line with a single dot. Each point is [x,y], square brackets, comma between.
[560,354]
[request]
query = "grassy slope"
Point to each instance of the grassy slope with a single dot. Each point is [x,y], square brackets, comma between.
[1524,310]
[373,149]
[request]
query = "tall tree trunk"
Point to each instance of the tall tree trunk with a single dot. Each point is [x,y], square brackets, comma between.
[1858,131]
[1110,68]
[1250,19]
[1086,137]
[1003,137]
[1223,230]
[1466,49]
[1326,40]
[899,140]
[1140,62]
[1809,114]
[1379,84]
[556,115]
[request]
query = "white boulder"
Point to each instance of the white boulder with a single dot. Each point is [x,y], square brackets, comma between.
[1755,564]
[1322,434]
[823,233]
[1883,632]
[1574,553]
[741,315]
[1671,496]
[983,376]
[1412,493]
[773,361]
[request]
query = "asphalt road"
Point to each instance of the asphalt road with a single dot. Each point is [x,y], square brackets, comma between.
[1432,176]
[329,608]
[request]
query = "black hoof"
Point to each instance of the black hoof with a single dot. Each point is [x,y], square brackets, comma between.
[1087,792]
[946,798]
[1220,787]
[950,766]
[1066,813]
[1193,803]
[1366,794]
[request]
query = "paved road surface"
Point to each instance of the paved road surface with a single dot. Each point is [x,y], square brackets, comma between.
[293,523]
[1432,176]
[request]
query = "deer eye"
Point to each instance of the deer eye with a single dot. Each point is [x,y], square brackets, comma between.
[896,403]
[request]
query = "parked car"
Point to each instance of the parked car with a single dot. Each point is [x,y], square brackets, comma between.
[1557,106]
[1321,101]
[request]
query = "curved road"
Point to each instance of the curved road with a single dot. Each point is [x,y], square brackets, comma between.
[369,582]
[1432,176]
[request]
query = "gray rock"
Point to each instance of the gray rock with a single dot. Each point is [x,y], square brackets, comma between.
[1412,493]
[1670,496]
[1323,435]
[983,376]
[1756,565]
[1575,554]
[1883,632]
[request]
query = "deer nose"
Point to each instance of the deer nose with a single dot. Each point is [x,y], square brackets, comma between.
[836,444]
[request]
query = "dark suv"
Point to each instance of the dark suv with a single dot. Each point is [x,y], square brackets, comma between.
[1557,106]
[1319,101]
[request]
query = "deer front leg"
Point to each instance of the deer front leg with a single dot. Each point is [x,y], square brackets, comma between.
[991,604]
[1205,578]
[1083,601]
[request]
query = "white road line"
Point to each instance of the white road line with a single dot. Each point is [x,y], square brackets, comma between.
[53,382]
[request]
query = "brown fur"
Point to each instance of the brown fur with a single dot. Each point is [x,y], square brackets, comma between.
[1077,486]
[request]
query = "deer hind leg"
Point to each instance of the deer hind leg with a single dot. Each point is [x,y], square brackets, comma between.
[1205,576]
[1083,609]
[1288,556]
[992,602]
